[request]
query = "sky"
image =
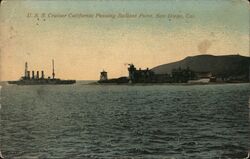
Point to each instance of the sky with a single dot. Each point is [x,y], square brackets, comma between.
[85,37]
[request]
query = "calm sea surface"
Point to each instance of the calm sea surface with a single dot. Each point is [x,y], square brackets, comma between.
[155,121]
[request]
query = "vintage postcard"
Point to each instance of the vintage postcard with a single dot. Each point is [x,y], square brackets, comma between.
[124,79]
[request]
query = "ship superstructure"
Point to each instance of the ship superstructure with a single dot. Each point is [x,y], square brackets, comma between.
[30,78]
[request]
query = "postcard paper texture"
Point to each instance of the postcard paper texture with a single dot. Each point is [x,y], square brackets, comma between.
[124,79]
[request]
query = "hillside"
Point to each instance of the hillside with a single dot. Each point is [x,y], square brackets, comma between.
[220,66]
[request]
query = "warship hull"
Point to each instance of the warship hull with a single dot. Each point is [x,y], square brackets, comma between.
[43,82]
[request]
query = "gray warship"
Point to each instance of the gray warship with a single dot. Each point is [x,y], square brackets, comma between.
[40,80]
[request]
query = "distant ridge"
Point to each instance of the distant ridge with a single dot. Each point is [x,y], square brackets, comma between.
[223,66]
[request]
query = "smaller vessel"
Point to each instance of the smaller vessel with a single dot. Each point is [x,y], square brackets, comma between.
[40,80]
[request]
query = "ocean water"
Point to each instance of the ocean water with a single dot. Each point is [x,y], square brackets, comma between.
[153,121]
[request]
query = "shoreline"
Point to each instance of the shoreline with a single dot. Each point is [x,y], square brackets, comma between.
[95,83]
[169,84]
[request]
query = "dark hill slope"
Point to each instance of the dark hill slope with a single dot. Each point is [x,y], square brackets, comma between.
[221,66]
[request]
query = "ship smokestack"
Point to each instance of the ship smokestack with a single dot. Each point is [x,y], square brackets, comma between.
[33,74]
[26,70]
[28,73]
[37,74]
[42,75]
[53,69]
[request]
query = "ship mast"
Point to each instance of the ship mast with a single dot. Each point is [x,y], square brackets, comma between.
[26,70]
[53,69]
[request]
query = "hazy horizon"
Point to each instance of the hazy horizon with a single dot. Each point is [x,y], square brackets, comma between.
[49,73]
[85,37]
